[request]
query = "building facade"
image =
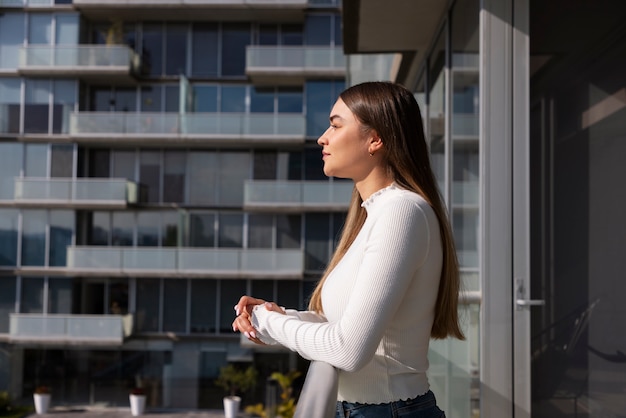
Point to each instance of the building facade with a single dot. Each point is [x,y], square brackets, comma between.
[524,106]
[157,161]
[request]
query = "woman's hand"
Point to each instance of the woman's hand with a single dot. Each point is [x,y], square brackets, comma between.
[243,321]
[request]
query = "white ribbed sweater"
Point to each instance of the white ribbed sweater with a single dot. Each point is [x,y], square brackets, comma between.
[378,304]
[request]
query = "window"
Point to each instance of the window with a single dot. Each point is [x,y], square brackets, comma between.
[235,38]
[203,305]
[8,237]
[260,230]
[36,106]
[204,46]
[202,230]
[11,39]
[59,296]
[176,49]
[40,28]
[148,303]
[175,305]
[288,231]
[150,174]
[122,229]
[148,229]
[316,245]
[32,295]
[264,165]
[230,229]
[11,160]
[61,160]
[320,97]
[174,176]
[261,100]
[169,228]
[100,232]
[34,237]
[230,290]
[205,98]
[7,300]
[61,236]
[152,51]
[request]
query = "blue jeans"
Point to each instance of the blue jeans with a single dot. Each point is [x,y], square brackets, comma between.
[424,406]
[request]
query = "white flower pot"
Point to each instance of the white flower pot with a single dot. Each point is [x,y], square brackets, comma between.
[231,406]
[42,402]
[137,404]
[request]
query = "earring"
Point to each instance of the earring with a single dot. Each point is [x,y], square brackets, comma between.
[371,154]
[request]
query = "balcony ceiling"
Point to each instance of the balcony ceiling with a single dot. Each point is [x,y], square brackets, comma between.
[374,26]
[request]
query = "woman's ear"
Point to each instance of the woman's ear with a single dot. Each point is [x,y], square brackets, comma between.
[375,143]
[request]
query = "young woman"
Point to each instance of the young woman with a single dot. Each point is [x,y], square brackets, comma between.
[393,281]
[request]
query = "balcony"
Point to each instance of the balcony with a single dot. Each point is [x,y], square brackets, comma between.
[185,262]
[198,10]
[29,3]
[297,196]
[201,129]
[111,63]
[90,193]
[291,65]
[70,329]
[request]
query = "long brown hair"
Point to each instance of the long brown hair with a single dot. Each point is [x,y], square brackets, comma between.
[392,111]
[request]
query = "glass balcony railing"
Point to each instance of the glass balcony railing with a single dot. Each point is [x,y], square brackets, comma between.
[76,190]
[299,61]
[26,3]
[301,195]
[222,262]
[93,59]
[257,126]
[70,328]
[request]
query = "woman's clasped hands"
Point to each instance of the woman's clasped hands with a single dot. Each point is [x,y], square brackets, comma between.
[243,321]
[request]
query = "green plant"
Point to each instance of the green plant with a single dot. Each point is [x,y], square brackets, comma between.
[287,406]
[235,380]
[10,410]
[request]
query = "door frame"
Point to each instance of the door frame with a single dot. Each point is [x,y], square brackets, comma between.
[505,212]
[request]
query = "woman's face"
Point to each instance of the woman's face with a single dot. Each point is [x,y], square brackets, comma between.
[345,147]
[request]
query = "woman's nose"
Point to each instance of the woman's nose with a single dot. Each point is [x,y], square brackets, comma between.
[322,140]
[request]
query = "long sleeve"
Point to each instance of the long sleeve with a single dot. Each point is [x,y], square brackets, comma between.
[372,279]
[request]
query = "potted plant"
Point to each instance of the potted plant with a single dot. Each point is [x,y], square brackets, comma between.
[287,406]
[235,381]
[41,396]
[137,401]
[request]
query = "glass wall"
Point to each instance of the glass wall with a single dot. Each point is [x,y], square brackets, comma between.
[447,92]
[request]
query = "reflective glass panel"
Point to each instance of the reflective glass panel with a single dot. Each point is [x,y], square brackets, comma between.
[8,294]
[148,303]
[62,226]
[202,230]
[235,38]
[230,227]
[34,237]
[8,237]
[203,306]
[230,292]
[31,295]
[175,305]
[204,50]
[260,230]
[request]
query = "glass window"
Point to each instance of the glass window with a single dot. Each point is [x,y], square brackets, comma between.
[11,39]
[8,294]
[320,98]
[122,229]
[204,98]
[61,160]
[148,229]
[34,237]
[118,296]
[11,160]
[152,51]
[148,303]
[9,101]
[67,28]
[174,176]
[230,229]
[202,230]
[36,106]
[8,237]
[264,165]
[61,236]
[261,100]
[235,38]
[233,171]
[99,163]
[290,100]
[59,296]
[291,35]
[313,164]
[436,111]
[176,49]
[318,30]
[316,241]
[204,44]
[172,98]
[151,98]
[31,295]
[40,28]
[64,99]
[288,293]
[267,34]
[230,292]
[36,164]
[150,174]
[100,232]
[125,100]
[175,305]
[263,289]
[260,230]
[233,99]
[169,228]
[123,164]
[203,305]
[288,231]
[203,175]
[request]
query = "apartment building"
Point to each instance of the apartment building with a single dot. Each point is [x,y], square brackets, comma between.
[158,159]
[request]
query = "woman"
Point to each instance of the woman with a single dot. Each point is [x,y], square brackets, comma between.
[393,281]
